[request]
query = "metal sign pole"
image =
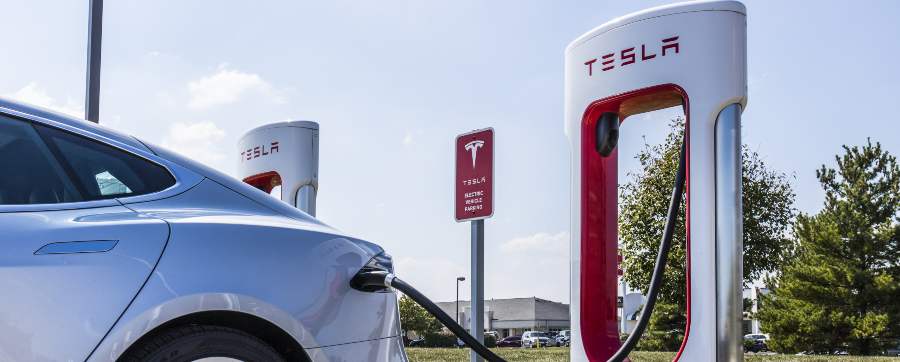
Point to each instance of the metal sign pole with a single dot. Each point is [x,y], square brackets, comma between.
[92,90]
[474,202]
[476,326]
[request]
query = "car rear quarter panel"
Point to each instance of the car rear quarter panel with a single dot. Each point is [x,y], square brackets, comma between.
[227,252]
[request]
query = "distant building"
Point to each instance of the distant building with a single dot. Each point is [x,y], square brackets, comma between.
[514,316]
[751,296]
[633,303]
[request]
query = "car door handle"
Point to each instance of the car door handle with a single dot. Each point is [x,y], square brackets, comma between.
[77,247]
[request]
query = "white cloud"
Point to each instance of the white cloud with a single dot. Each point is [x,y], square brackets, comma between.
[540,242]
[408,139]
[433,276]
[532,265]
[228,86]
[411,136]
[33,94]
[199,141]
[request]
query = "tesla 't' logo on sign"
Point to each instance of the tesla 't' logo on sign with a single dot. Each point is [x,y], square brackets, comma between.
[473,147]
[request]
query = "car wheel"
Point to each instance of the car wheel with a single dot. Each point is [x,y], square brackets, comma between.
[195,342]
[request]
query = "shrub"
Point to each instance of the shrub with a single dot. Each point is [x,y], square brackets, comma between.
[490,341]
[439,340]
[660,341]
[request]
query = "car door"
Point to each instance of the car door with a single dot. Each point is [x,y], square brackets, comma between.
[72,257]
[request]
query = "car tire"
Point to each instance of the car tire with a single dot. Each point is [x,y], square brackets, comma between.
[193,342]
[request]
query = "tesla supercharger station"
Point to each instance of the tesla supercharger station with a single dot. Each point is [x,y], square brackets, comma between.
[692,55]
[284,154]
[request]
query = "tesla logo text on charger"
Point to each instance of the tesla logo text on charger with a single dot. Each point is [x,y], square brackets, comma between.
[630,55]
[259,151]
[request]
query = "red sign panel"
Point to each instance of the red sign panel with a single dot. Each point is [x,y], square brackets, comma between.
[474,182]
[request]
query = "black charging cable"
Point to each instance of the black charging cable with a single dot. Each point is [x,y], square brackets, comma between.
[381,279]
[661,257]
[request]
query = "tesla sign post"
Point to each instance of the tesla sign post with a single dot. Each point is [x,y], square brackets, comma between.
[474,201]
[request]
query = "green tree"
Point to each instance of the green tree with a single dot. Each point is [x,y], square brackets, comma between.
[644,201]
[666,329]
[415,318]
[842,290]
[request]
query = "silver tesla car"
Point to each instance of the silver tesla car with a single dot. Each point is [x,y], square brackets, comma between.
[115,249]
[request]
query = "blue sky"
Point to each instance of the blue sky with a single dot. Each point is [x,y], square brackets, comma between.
[392,82]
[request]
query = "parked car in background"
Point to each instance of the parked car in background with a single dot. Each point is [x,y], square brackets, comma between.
[893,351]
[564,337]
[756,342]
[511,341]
[533,339]
[757,336]
[554,339]
[418,342]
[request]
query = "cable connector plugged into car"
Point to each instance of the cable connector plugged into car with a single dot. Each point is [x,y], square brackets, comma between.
[372,281]
[371,277]
[378,276]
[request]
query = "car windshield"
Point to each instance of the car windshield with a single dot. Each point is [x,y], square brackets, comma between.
[538,334]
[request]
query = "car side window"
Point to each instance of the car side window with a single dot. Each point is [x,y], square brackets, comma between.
[100,171]
[30,173]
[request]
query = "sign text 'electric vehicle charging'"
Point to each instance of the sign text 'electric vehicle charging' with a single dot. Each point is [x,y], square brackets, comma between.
[693,55]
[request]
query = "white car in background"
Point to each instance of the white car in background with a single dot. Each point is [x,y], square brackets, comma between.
[564,337]
[533,339]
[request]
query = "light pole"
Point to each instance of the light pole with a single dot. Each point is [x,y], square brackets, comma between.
[458,279]
[92,88]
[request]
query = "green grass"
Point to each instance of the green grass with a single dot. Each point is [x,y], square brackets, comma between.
[562,354]
[509,354]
